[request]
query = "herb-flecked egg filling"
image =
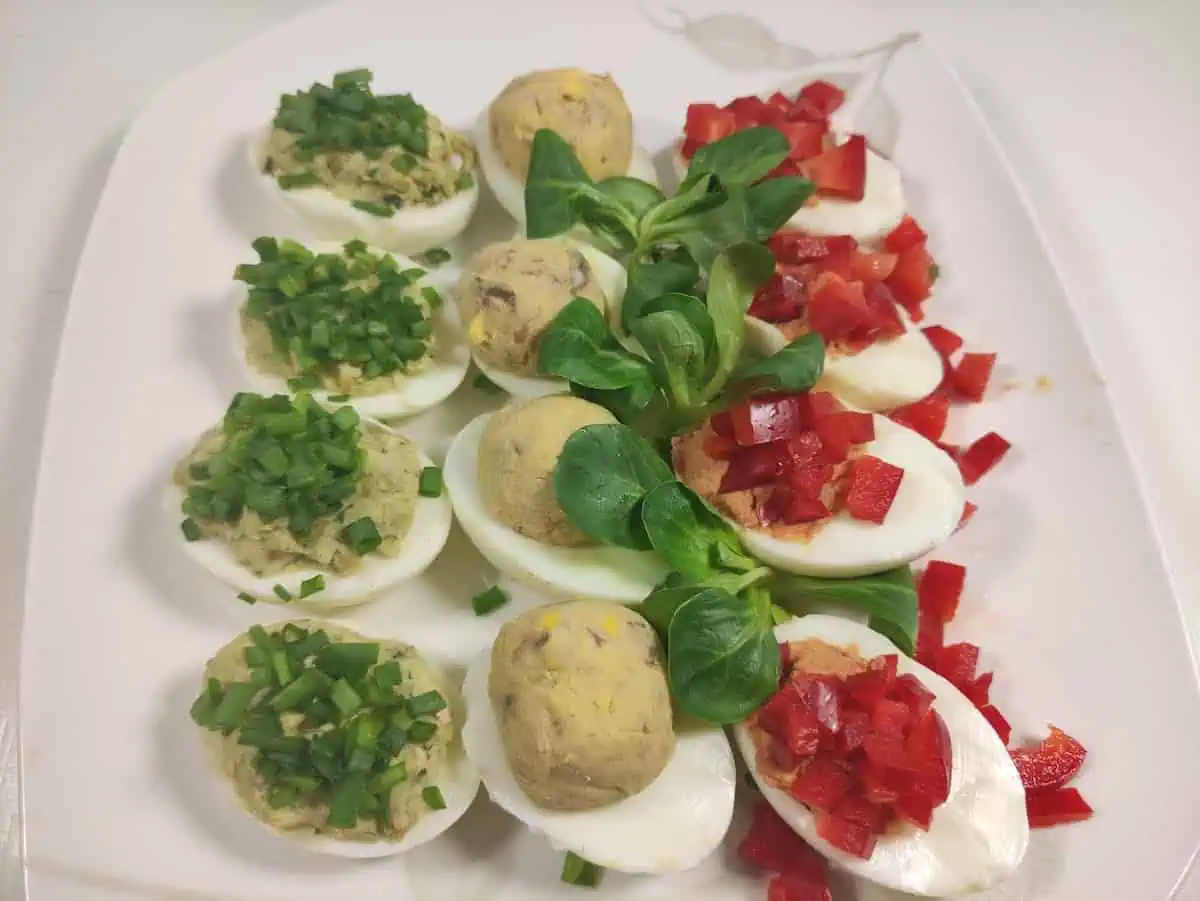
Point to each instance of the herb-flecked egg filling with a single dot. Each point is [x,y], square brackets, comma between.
[381,153]
[352,322]
[287,485]
[322,731]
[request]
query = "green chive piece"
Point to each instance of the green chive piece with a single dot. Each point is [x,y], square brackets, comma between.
[387,674]
[312,585]
[426,703]
[430,483]
[344,697]
[421,731]
[234,704]
[338,398]
[432,796]
[346,801]
[362,536]
[282,593]
[191,531]
[382,210]
[580,872]
[301,689]
[298,180]
[432,297]
[247,598]
[489,601]
[436,256]
[389,779]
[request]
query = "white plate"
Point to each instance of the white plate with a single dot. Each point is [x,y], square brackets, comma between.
[1067,589]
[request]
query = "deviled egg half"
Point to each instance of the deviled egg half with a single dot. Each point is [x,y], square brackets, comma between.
[349,744]
[352,164]
[901,780]
[509,294]
[349,322]
[817,489]
[588,111]
[500,476]
[287,501]
[569,721]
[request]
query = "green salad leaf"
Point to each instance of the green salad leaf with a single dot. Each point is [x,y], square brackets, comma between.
[888,598]
[796,367]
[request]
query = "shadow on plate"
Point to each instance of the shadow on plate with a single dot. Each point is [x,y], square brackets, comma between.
[183,767]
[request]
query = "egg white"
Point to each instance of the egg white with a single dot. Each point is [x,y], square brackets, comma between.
[673,824]
[425,388]
[598,572]
[888,374]
[411,230]
[612,280]
[976,838]
[925,512]
[868,220]
[425,539]
[459,785]
[510,190]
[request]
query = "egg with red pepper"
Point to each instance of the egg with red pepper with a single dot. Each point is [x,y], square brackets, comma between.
[857,191]
[863,303]
[884,766]
[588,111]
[818,489]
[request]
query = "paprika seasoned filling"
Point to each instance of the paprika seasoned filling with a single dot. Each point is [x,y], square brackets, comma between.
[857,743]
[787,462]
[848,293]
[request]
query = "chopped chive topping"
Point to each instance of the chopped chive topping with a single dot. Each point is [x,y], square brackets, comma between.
[191,531]
[362,536]
[436,256]
[489,601]
[297,180]
[382,210]
[325,721]
[338,398]
[432,297]
[312,585]
[430,482]
[333,314]
[482,383]
[465,180]
[282,593]
[247,598]
[284,459]
[577,871]
[433,797]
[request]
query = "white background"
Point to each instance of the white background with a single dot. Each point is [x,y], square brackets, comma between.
[1096,103]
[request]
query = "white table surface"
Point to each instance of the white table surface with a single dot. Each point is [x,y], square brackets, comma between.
[1096,102]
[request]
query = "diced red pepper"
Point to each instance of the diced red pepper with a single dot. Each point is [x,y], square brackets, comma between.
[979,689]
[926,417]
[795,247]
[1056,808]
[885,314]
[905,235]
[771,843]
[872,267]
[847,835]
[707,122]
[809,479]
[819,696]
[841,431]
[956,663]
[999,723]
[940,588]
[786,719]
[796,888]
[968,511]
[805,139]
[929,750]
[930,637]
[792,507]
[781,299]
[722,424]
[836,307]
[871,685]
[944,341]
[970,378]
[769,417]
[840,171]
[718,447]
[822,783]
[823,95]
[889,718]
[912,280]
[873,487]
[754,466]
[823,404]
[910,692]
[978,459]
[1051,764]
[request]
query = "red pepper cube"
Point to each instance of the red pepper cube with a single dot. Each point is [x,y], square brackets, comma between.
[840,431]
[929,754]
[837,307]
[796,247]
[979,689]
[722,424]
[781,299]
[941,587]
[790,506]
[771,843]
[926,417]
[999,723]
[871,269]
[1056,808]
[873,487]
[970,378]
[889,719]
[1050,764]
[856,726]
[905,235]
[870,686]
[978,459]
[912,279]
[718,447]
[846,835]
[785,718]
[786,887]
[822,783]
[823,95]
[944,341]
[882,785]
[769,417]
[809,479]
[910,692]
[819,695]
[968,511]
[707,122]
[841,171]
[754,466]
[956,663]
[885,314]
[805,139]
[930,638]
